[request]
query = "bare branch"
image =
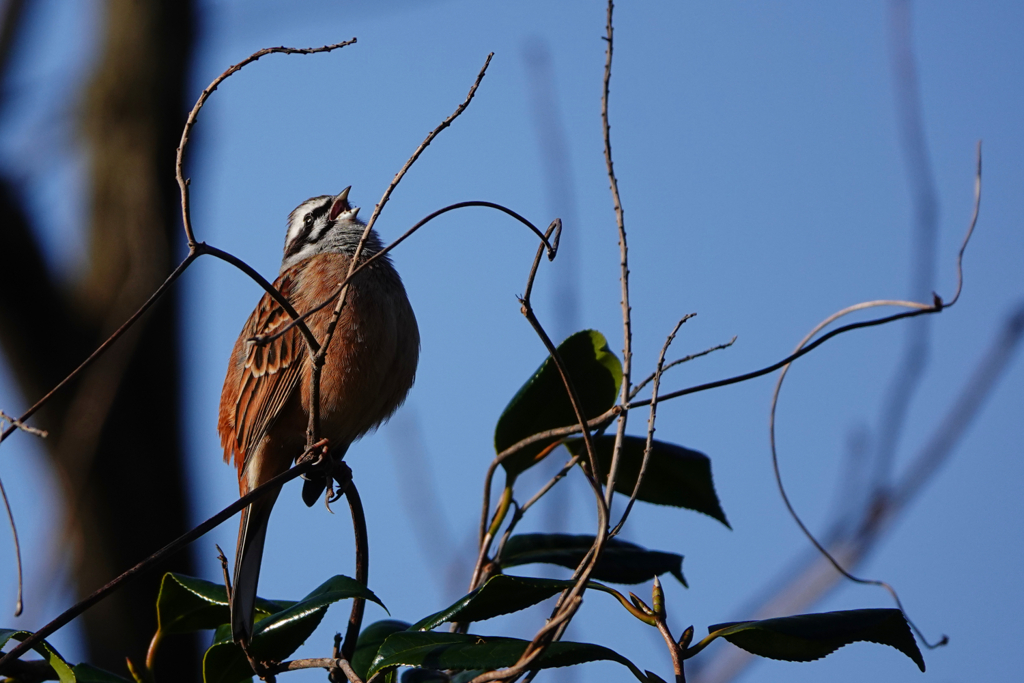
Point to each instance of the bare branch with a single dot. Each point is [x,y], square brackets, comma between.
[620,220]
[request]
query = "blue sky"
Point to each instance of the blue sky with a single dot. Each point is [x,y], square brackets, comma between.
[765,187]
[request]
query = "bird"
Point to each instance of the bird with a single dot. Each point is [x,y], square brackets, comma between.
[369,368]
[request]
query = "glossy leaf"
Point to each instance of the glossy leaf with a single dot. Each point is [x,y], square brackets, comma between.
[56,662]
[277,636]
[186,604]
[807,637]
[621,561]
[224,662]
[543,403]
[87,673]
[675,476]
[443,651]
[370,640]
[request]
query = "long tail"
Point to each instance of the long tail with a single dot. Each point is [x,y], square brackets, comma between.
[252,532]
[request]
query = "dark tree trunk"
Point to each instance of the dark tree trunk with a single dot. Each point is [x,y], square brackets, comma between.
[115,441]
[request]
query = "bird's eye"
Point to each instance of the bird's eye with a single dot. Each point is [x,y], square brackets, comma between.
[308,219]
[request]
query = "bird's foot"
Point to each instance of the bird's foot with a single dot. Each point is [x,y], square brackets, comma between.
[338,472]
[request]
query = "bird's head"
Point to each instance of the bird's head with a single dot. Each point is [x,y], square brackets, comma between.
[325,224]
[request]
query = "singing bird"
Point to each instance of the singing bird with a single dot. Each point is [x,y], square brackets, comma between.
[265,404]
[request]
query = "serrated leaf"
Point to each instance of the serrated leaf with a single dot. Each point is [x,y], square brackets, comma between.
[52,657]
[370,640]
[277,636]
[456,651]
[501,594]
[87,673]
[542,403]
[621,561]
[807,637]
[675,476]
[186,604]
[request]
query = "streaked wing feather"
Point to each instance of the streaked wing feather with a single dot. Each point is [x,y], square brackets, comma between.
[271,373]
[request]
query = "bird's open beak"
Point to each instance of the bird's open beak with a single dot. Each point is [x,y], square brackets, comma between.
[340,203]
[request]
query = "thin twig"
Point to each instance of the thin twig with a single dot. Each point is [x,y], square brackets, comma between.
[620,220]
[812,580]
[305,464]
[778,475]
[679,361]
[10,419]
[659,369]
[610,414]
[318,358]
[297,320]
[521,509]
[175,274]
[183,183]
[568,601]
[531,653]
[918,307]
[970,231]
[19,604]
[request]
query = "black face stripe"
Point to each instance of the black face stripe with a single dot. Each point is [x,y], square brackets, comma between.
[318,213]
[303,238]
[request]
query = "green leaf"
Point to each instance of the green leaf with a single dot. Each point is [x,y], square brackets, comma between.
[543,403]
[87,673]
[277,636]
[443,651]
[186,604]
[807,637]
[621,561]
[370,640]
[224,662]
[502,594]
[675,476]
[52,657]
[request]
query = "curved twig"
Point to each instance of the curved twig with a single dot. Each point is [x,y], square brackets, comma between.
[778,475]
[19,604]
[552,249]
[186,214]
[362,553]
